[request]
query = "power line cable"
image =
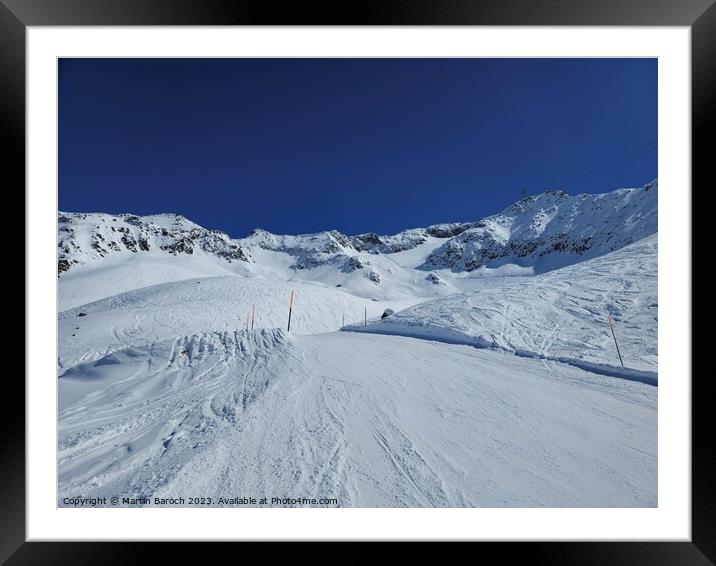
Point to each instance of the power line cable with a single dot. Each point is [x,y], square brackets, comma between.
[635,153]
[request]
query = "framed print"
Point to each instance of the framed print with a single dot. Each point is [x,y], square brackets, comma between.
[402,277]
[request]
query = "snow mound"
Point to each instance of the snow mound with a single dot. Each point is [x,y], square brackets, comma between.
[132,417]
[185,351]
[218,304]
[157,369]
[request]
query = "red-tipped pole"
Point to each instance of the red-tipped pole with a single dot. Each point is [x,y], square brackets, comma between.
[611,327]
[290,309]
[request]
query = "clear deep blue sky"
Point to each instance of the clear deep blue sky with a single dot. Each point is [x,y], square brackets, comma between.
[302,145]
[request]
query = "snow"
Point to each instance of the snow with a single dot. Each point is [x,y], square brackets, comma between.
[415,256]
[547,231]
[218,304]
[369,420]
[81,286]
[561,315]
[488,386]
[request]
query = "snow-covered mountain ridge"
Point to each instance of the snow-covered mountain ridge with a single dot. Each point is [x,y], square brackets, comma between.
[546,231]
[552,230]
[88,237]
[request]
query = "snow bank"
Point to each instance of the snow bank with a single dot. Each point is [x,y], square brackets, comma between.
[155,369]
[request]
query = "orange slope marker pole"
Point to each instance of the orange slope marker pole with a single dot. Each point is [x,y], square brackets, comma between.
[290,310]
[253,316]
[611,327]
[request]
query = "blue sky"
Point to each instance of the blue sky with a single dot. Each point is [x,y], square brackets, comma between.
[302,145]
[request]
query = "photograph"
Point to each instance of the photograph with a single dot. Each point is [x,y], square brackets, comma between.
[357,282]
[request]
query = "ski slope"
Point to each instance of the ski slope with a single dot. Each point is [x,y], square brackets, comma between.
[368,420]
[561,315]
[488,386]
[213,304]
[127,273]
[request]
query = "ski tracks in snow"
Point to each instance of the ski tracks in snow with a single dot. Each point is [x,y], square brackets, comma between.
[365,419]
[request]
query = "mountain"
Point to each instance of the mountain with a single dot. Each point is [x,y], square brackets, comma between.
[469,364]
[511,395]
[552,230]
[87,237]
[546,231]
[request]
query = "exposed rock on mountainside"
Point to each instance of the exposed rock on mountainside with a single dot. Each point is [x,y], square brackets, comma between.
[552,230]
[546,231]
[85,237]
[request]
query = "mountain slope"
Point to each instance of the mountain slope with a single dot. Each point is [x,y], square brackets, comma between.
[213,304]
[85,238]
[552,230]
[560,315]
[545,232]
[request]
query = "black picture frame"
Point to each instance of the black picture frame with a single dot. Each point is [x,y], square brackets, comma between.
[16,15]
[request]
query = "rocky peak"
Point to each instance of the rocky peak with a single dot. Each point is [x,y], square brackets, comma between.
[552,228]
[84,238]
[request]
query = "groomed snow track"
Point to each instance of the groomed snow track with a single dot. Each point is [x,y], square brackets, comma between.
[366,420]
